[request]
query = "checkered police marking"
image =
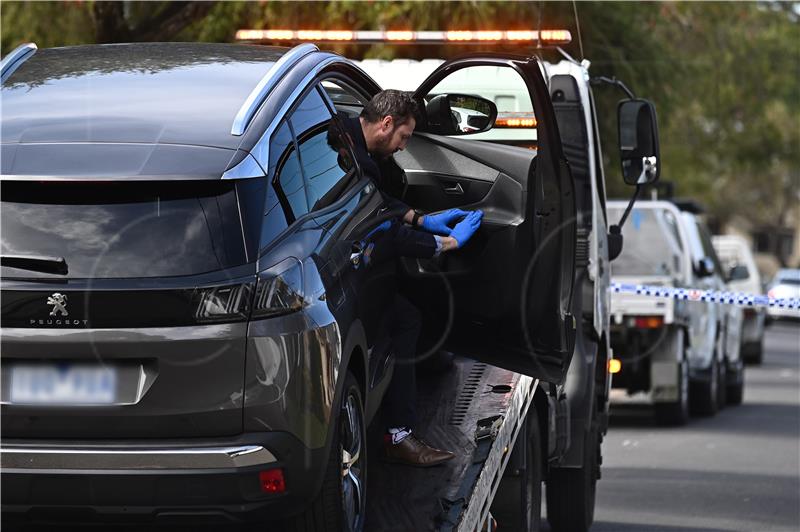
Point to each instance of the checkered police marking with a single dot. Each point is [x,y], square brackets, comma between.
[688,294]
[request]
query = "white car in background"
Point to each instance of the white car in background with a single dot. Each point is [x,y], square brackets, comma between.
[743,276]
[785,285]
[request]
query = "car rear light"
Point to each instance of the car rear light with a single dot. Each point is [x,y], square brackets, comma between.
[772,294]
[279,289]
[272,481]
[614,365]
[224,303]
[649,322]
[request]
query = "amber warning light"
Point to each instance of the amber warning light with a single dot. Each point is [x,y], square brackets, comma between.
[614,365]
[542,37]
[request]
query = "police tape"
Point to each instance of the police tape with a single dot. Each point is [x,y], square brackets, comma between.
[714,296]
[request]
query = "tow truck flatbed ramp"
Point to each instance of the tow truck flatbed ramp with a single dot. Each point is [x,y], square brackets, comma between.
[452,406]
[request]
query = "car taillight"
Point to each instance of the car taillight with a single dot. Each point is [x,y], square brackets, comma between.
[772,293]
[649,322]
[279,290]
[224,303]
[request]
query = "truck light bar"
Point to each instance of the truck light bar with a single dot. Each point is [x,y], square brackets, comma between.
[543,37]
[515,120]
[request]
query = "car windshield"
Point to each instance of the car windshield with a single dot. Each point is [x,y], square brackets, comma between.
[123,230]
[651,244]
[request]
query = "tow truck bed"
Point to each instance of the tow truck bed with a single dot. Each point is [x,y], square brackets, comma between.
[452,406]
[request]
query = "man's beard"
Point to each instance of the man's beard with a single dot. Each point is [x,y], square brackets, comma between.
[382,148]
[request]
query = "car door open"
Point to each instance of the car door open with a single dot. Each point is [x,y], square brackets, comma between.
[505,297]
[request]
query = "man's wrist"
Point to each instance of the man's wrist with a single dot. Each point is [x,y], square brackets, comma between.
[448,243]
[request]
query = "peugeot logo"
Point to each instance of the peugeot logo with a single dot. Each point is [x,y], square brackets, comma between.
[59,302]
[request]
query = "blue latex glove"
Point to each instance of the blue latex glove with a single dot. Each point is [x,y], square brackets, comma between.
[467,227]
[438,224]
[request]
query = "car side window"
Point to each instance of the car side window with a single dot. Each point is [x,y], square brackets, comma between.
[325,156]
[287,180]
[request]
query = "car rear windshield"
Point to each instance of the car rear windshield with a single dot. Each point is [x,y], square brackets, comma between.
[651,243]
[123,230]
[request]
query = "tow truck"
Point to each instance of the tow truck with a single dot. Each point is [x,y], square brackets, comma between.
[511,431]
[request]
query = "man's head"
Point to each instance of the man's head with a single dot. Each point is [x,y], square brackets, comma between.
[388,120]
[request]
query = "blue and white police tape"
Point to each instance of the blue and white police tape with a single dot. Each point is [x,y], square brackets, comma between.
[714,296]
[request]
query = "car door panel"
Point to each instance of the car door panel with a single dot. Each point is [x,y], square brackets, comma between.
[505,297]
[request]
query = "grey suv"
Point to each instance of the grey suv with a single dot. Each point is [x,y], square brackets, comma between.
[189,330]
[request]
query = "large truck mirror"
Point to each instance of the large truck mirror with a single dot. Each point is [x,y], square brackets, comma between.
[638,141]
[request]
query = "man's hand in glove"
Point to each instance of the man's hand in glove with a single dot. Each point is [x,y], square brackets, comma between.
[439,224]
[463,231]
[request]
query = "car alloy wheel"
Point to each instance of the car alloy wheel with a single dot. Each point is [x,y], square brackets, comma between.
[353,462]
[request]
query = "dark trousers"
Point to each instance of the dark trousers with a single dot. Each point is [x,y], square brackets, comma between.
[403,322]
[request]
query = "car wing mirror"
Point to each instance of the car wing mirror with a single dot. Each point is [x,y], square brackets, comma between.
[738,273]
[459,114]
[704,267]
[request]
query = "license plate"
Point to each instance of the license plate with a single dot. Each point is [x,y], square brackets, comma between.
[63,385]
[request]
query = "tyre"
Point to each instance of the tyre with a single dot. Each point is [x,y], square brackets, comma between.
[704,395]
[753,353]
[571,491]
[722,387]
[517,506]
[341,502]
[676,413]
[736,388]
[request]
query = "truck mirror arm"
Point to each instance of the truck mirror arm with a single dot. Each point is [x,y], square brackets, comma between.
[615,231]
[600,80]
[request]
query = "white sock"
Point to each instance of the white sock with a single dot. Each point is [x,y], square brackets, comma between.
[399,434]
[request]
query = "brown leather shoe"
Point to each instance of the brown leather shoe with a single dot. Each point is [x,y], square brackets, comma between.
[414,452]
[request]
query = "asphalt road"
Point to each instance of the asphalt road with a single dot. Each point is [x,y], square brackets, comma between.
[739,470]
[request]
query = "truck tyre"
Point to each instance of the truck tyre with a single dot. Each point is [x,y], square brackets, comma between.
[571,491]
[704,395]
[341,502]
[517,506]
[676,413]
[736,388]
[753,353]
[722,387]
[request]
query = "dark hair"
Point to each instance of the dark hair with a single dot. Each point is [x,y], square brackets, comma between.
[397,104]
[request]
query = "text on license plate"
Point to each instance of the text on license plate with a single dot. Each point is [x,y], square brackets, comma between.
[75,384]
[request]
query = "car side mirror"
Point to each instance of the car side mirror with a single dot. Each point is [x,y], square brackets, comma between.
[738,273]
[704,267]
[638,141]
[459,114]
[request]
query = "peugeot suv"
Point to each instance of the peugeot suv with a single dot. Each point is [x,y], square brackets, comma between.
[189,326]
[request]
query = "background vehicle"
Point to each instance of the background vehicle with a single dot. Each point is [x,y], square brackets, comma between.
[785,284]
[198,269]
[727,319]
[652,338]
[672,349]
[743,276]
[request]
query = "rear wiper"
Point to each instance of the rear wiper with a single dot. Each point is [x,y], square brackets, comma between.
[36,263]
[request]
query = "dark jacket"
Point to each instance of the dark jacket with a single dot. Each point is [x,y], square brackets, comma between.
[398,240]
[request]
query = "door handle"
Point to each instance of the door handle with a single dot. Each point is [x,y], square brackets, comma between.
[453,188]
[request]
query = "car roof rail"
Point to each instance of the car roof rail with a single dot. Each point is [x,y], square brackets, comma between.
[15,58]
[267,83]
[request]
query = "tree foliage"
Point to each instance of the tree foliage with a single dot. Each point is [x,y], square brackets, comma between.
[725,76]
